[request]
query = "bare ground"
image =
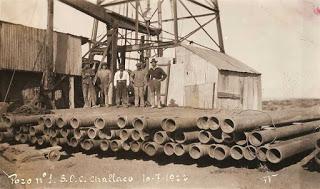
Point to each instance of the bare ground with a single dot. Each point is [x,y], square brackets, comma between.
[169,172]
[84,170]
[290,103]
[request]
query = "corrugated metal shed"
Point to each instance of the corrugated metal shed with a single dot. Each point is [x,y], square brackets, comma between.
[220,60]
[23,48]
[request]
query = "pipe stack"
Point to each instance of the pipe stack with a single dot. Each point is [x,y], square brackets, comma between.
[220,135]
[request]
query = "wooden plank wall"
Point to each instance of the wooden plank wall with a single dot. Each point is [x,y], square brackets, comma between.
[176,91]
[247,86]
[199,96]
[194,80]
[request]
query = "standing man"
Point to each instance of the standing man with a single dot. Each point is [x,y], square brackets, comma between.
[121,83]
[138,78]
[87,75]
[155,76]
[104,76]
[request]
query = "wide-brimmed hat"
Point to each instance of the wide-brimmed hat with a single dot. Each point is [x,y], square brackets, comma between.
[153,61]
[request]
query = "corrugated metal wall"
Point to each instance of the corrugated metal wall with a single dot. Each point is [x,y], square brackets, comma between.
[22,48]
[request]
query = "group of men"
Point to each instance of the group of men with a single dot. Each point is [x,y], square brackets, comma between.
[140,79]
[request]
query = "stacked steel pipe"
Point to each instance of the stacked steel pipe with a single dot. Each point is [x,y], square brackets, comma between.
[251,135]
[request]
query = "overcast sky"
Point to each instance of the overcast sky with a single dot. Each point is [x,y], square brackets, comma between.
[279,38]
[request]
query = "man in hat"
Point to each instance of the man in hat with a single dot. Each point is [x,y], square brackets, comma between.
[138,78]
[104,77]
[121,83]
[155,76]
[87,75]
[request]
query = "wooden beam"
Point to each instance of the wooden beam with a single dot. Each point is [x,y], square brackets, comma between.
[130,48]
[138,47]
[109,17]
[228,95]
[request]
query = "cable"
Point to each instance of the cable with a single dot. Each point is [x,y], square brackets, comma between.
[9,87]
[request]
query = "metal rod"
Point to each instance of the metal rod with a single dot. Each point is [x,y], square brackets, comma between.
[205,31]
[194,31]
[202,5]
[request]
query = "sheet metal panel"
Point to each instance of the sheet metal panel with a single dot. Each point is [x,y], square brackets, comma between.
[23,48]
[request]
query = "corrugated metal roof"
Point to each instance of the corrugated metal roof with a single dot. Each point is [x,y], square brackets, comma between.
[220,61]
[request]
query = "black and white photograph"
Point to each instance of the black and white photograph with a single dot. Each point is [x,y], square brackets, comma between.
[154,94]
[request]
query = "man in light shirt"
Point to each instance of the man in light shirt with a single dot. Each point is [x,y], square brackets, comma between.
[121,83]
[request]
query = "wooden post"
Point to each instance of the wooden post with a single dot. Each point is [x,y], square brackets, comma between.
[148,51]
[47,83]
[137,21]
[114,56]
[160,36]
[219,29]
[175,20]
[123,57]
[71,92]
[167,83]
[142,41]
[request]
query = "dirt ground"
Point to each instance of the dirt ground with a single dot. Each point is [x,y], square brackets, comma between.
[290,103]
[130,170]
[139,171]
